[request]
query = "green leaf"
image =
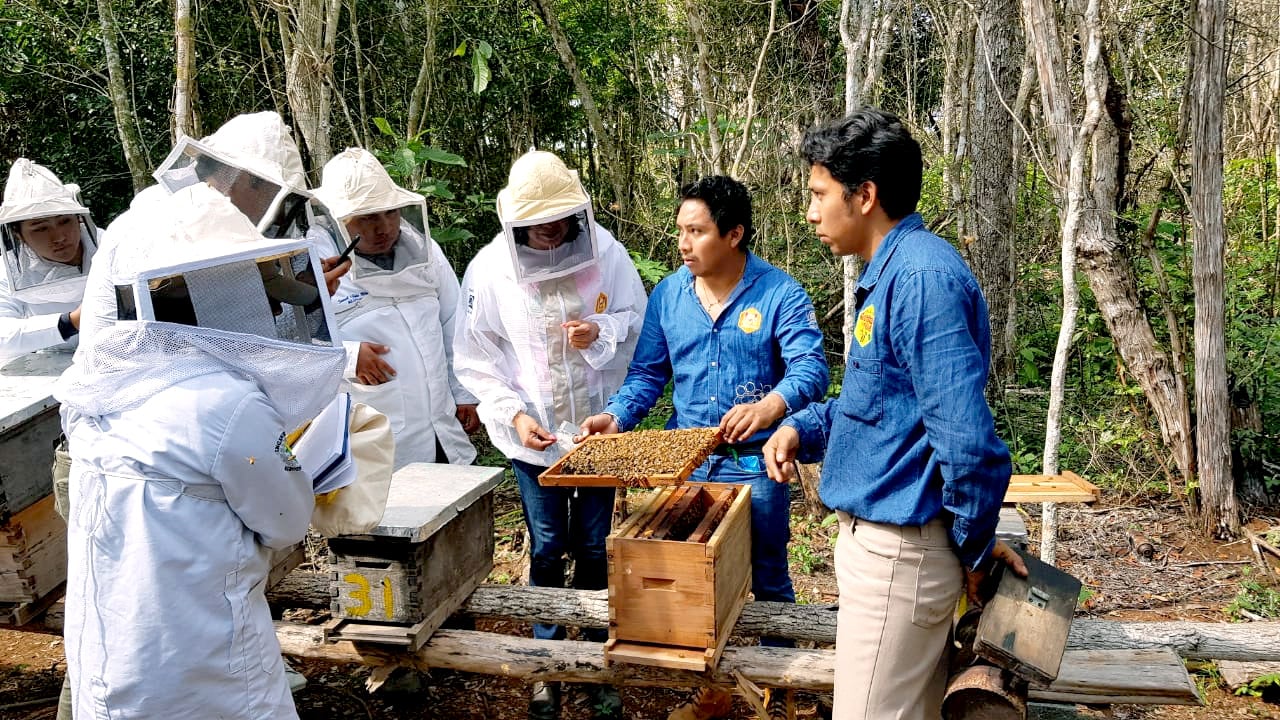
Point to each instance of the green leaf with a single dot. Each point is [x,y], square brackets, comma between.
[403,162]
[436,155]
[484,49]
[479,71]
[451,235]
[436,189]
[460,50]
[829,520]
[384,127]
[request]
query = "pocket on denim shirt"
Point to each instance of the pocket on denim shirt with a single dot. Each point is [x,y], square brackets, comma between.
[862,396]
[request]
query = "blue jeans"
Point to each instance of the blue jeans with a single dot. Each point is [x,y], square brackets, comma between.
[565,521]
[770,526]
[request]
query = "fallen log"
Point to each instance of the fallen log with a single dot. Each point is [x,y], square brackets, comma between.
[789,668]
[590,609]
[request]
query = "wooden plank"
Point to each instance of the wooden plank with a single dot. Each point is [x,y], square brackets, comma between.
[1121,676]
[707,528]
[23,613]
[36,543]
[634,524]
[1067,487]
[663,656]
[730,546]
[663,516]
[692,501]
[661,592]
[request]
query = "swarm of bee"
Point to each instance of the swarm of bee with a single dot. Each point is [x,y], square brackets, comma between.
[636,456]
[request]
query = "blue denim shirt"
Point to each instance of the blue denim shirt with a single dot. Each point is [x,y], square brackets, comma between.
[765,340]
[911,437]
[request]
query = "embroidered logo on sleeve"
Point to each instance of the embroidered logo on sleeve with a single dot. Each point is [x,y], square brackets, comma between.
[602,303]
[286,455]
[749,320]
[866,320]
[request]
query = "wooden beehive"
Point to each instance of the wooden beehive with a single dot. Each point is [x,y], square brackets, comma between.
[33,561]
[434,546]
[652,458]
[679,573]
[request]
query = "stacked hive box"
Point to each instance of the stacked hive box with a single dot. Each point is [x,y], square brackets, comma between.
[33,561]
[679,568]
[401,581]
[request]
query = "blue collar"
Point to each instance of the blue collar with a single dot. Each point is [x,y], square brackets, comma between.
[754,268]
[871,274]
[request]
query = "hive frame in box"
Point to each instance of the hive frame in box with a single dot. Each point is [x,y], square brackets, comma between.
[556,476]
[674,603]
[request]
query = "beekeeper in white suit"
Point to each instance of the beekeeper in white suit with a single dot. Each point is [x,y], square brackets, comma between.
[395,309]
[253,160]
[47,244]
[181,478]
[551,313]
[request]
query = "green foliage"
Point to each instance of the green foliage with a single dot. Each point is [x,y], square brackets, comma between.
[1254,597]
[651,271]
[407,162]
[1260,686]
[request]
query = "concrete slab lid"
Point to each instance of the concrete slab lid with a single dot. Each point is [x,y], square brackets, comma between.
[425,496]
[26,385]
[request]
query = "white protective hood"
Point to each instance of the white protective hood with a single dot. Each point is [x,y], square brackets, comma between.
[355,183]
[258,146]
[542,189]
[32,192]
[124,364]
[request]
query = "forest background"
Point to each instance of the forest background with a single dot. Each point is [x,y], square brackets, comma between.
[1108,169]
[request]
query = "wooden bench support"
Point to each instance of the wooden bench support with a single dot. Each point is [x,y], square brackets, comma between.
[1148,677]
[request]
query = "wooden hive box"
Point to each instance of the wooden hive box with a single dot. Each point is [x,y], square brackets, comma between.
[33,562]
[679,573]
[401,581]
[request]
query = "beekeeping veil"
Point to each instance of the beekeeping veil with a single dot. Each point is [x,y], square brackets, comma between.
[199,290]
[49,261]
[540,190]
[355,183]
[253,160]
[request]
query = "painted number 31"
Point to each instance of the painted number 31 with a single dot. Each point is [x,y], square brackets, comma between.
[364,600]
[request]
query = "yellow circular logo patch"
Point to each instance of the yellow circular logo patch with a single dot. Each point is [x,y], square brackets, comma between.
[866,321]
[749,320]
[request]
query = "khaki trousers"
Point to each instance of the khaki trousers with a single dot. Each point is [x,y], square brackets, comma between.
[898,592]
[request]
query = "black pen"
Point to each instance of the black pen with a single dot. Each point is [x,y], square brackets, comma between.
[347,253]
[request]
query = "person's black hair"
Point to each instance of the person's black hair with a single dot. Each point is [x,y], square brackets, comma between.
[574,227]
[728,201]
[870,145]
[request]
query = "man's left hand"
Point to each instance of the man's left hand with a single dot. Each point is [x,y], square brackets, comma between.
[973,579]
[334,272]
[581,333]
[743,421]
[468,418]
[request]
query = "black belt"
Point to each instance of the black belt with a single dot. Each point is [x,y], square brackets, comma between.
[740,449]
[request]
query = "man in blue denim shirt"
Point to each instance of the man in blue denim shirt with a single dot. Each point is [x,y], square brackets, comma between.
[741,340]
[913,466]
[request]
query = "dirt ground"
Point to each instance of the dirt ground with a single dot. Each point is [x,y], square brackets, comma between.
[1185,578]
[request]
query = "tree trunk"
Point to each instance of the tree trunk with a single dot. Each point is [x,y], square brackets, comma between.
[130,140]
[420,98]
[184,74]
[308,75]
[706,85]
[1098,249]
[1220,514]
[604,141]
[994,178]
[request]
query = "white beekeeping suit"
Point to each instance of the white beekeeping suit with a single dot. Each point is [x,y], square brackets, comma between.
[511,349]
[181,479]
[47,244]
[406,303]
